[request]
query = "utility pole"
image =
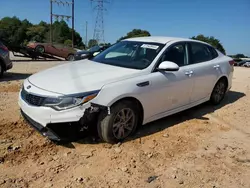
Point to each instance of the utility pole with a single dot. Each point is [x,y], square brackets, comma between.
[99,24]
[73,22]
[57,16]
[86,43]
[51,21]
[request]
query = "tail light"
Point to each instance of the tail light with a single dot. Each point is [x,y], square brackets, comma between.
[232,62]
[4,48]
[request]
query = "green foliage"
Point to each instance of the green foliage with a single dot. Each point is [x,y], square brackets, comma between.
[105,44]
[92,42]
[68,42]
[238,56]
[135,33]
[210,40]
[12,30]
[15,32]
[36,33]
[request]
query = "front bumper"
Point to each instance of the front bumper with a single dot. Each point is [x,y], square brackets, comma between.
[46,115]
[43,130]
[56,125]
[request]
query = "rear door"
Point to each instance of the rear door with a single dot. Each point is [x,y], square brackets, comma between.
[205,70]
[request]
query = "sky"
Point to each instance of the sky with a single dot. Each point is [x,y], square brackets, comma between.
[226,20]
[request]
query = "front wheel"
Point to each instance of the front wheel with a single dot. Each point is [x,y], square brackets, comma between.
[120,124]
[219,92]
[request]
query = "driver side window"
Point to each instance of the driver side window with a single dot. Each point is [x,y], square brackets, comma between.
[177,54]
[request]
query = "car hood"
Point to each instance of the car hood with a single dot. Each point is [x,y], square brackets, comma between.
[80,76]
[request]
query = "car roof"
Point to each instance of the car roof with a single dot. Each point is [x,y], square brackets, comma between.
[160,39]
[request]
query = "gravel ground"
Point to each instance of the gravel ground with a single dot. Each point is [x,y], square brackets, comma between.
[205,146]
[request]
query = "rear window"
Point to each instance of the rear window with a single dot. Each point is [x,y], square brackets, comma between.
[213,52]
[200,53]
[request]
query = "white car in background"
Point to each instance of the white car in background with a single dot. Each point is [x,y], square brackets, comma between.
[136,81]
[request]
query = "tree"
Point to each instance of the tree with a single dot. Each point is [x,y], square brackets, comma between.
[14,32]
[36,33]
[210,40]
[135,33]
[92,42]
[105,44]
[68,42]
[238,56]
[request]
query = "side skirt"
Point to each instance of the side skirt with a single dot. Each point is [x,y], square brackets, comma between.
[174,111]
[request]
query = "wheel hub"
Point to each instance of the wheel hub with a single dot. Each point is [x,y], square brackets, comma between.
[219,91]
[124,123]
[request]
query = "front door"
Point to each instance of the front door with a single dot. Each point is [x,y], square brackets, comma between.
[171,90]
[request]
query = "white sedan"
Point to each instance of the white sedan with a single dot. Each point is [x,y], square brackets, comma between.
[134,82]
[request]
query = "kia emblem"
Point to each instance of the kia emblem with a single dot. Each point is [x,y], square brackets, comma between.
[28,87]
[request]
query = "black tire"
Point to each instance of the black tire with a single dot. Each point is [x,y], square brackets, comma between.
[40,49]
[1,70]
[219,92]
[105,125]
[70,57]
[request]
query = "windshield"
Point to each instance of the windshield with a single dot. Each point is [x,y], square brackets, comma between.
[130,54]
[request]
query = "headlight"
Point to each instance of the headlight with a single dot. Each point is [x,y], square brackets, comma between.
[70,101]
[83,55]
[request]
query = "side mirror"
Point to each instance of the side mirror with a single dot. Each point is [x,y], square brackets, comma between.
[168,66]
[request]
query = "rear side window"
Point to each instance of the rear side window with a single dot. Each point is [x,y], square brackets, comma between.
[213,52]
[199,53]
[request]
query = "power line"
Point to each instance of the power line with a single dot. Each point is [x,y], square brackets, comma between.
[57,16]
[99,22]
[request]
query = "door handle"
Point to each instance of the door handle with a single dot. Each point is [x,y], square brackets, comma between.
[216,66]
[189,73]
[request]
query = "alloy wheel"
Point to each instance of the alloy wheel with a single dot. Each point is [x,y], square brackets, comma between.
[219,91]
[124,123]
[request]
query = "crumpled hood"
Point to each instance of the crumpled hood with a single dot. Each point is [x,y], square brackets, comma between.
[80,76]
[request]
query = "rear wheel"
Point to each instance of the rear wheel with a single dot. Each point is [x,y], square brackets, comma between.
[219,92]
[120,124]
[70,57]
[40,49]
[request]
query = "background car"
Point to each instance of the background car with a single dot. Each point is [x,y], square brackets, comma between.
[240,63]
[5,62]
[59,50]
[84,54]
[247,64]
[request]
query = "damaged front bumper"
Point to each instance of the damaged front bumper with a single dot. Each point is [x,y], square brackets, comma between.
[67,131]
[45,131]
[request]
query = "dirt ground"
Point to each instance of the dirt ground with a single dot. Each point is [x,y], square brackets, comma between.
[202,147]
